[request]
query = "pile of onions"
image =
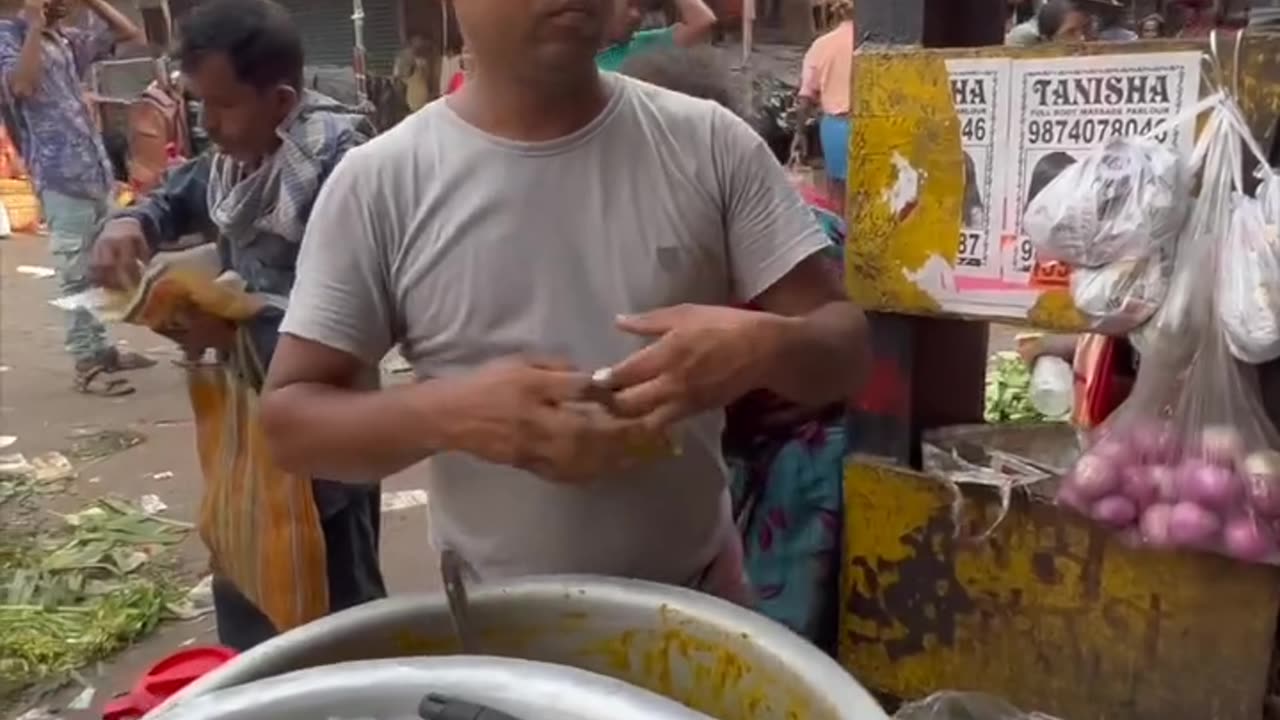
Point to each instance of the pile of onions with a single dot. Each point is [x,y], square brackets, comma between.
[1207,493]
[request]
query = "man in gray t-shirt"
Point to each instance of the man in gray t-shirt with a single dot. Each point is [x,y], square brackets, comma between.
[544,222]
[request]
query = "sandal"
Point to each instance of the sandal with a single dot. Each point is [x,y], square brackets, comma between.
[96,381]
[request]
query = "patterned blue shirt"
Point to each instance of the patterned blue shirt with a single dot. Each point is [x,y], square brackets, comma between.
[53,128]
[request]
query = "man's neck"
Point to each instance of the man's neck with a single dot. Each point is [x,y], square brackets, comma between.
[516,111]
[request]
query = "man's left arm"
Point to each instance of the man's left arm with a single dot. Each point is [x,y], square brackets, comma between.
[808,343]
[818,339]
[90,46]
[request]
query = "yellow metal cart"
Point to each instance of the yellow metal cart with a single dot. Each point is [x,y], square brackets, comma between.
[1046,611]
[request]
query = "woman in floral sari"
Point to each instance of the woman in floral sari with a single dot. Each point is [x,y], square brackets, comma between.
[787,462]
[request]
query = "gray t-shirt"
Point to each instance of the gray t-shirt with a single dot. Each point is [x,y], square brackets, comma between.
[464,248]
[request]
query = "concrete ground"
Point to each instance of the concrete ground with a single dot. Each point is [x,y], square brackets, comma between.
[38,406]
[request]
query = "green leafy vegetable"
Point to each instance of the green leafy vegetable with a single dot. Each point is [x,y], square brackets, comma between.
[1008,395]
[82,591]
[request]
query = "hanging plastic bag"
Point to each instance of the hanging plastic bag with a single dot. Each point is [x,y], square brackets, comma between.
[1189,461]
[1125,201]
[1249,275]
[1115,218]
[1184,312]
[260,523]
[963,706]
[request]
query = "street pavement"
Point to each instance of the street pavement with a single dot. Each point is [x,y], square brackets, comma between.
[38,406]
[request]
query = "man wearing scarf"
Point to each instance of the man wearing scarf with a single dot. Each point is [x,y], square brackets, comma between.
[275,146]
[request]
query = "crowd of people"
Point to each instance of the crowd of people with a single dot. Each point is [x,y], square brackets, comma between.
[1033,22]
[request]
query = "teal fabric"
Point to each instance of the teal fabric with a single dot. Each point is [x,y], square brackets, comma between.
[787,496]
[612,57]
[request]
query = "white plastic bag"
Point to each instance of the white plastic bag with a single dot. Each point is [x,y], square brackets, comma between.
[954,705]
[1249,282]
[1124,201]
[1053,387]
[1183,314]
[1120,296]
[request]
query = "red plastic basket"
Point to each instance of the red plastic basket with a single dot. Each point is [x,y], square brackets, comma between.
[165,679]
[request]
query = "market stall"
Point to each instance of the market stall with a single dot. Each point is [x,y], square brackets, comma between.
[976,574]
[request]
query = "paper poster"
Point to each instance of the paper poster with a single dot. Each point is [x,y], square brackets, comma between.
[1064,108]
[980,93]
[1041,116]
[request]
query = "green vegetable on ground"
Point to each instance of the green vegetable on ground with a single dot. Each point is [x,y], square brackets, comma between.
[77,593]
[1008,394]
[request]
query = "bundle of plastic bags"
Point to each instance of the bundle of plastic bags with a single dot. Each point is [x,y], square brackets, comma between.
[1114,217]
[1189,460]
[1118,203]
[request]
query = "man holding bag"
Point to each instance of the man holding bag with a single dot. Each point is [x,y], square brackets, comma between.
[312,545]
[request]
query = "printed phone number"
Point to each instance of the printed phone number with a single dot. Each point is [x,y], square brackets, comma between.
[1088,131]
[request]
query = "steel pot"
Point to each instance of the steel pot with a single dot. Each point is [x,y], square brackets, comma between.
[720,659]
[396,690]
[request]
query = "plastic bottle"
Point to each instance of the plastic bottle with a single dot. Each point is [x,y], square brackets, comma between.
[1052,387]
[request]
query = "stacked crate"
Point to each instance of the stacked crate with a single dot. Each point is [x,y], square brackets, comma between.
[16,192]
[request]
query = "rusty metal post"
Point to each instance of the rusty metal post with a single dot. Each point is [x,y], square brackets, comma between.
[928,372]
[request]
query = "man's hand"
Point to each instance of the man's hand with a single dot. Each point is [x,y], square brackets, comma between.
[800,146]
[705,358]
[531,415]
[118,255]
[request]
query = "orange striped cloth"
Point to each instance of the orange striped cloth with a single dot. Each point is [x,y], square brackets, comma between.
[260,523]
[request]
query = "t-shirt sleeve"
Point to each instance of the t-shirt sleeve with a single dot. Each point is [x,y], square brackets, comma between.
[88,46]
[341,298]
[811,73]
[768,228]
[10,49]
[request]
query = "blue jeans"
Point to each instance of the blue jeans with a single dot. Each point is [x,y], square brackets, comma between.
[72,222]
[833,131]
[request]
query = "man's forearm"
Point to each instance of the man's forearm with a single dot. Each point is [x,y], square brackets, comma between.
[121,27]
[696,20]
[26,74]
[822,356]
[352,435]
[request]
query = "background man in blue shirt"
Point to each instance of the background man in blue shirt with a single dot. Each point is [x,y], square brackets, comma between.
[42,65]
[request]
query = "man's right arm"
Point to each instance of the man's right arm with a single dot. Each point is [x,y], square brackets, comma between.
[177,208]
[318,418]
[697,20]
[22,72]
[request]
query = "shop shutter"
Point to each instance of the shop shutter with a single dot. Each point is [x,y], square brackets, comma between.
[329,36]
[382,38]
